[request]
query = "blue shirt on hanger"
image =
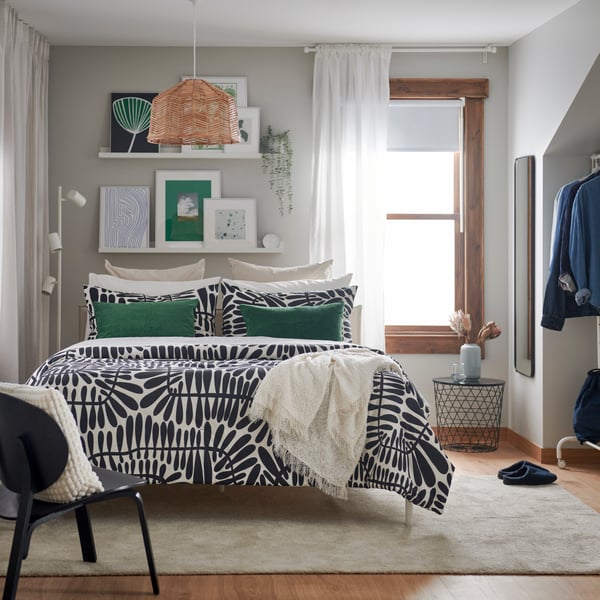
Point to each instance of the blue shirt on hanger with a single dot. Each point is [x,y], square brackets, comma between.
[559,303]
[584,245]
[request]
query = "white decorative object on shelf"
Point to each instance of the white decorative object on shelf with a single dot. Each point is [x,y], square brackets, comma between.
[271,241]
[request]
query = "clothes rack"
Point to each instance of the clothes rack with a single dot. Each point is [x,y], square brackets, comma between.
[595,160]
[560,461]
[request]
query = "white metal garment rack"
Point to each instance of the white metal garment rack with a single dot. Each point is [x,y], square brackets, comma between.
[595,158]
[571,438]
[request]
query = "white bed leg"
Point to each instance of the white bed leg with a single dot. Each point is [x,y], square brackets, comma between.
[408,512]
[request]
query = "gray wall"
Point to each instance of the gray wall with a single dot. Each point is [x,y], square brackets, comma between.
[280,83]
[81,80]
[552,78]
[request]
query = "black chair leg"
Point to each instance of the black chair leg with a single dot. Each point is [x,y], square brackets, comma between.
[86,535]
[147,544]
[18,548]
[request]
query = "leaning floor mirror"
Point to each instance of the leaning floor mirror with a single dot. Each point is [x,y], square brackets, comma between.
[524,229]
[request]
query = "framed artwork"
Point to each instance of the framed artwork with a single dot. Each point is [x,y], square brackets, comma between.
[130,121]
[204,150]
[249,121]
[234,86]
[230,223]
[179,206]
[124,216]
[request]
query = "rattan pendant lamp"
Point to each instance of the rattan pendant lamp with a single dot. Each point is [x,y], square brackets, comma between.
[194,112]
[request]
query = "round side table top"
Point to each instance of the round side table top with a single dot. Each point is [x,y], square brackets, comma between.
[482,381]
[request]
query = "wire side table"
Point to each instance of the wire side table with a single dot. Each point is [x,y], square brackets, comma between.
[468,413]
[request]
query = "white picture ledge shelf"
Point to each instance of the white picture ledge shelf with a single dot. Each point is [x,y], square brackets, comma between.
[183,155]
[153,250]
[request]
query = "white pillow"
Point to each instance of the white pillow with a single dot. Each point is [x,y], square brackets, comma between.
[300,285]
[250,272]
[78,479]
[183,273]
[152,288]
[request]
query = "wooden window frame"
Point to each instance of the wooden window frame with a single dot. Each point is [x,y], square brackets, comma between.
[470,247]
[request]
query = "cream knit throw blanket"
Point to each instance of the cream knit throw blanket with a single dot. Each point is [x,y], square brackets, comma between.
[316,406]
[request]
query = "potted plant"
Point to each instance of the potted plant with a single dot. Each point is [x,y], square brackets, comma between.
[277,154]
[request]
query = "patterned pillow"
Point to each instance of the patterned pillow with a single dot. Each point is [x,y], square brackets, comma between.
[204,315]
[78,478]
[233,296]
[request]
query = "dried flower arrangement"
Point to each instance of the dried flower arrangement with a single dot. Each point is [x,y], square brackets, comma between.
[461,324]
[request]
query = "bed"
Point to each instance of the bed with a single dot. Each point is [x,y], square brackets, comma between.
[175,408]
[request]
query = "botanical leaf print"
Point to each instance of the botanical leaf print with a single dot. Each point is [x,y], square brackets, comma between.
[179,413]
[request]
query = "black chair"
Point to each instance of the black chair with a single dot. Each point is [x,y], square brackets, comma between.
[33,454]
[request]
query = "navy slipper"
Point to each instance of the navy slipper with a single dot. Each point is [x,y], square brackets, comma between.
[516,466]
[530,475]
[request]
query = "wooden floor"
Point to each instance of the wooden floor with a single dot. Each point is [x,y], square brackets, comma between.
[583,480]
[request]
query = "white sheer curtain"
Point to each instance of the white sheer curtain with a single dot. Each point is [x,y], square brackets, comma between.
[24,56]
[350,103]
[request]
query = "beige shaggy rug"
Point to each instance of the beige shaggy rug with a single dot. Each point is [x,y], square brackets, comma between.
[487,528]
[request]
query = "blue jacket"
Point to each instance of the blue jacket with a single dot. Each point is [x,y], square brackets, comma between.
[560,303]
[584,246]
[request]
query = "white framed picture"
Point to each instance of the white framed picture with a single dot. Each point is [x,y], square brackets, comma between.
[230,223]
[124,216]
[249,122]
[179,206]
[204,150]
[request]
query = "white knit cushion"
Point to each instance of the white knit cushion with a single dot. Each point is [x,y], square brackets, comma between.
[78,479]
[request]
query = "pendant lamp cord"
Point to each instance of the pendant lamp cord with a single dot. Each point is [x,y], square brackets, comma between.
[195,3]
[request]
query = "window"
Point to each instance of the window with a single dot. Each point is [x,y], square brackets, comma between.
[435,244]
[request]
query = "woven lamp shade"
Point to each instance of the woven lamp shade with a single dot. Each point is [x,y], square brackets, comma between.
[194,112]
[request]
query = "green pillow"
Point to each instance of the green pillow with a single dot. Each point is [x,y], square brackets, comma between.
[321,322]
[145,319]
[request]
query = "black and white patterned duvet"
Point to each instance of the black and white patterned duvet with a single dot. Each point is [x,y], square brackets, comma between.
[177,412]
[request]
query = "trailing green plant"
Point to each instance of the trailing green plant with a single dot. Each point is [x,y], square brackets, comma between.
[277,155]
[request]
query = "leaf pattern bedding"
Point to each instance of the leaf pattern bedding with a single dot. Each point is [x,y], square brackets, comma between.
[176,411]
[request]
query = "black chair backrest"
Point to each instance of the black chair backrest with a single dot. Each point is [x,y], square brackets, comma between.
[29,428]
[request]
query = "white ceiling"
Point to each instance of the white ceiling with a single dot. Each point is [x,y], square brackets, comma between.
[286,22]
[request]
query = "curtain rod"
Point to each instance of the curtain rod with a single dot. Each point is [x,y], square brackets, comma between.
[485,50]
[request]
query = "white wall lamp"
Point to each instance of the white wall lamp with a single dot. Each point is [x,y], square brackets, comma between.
[55,246]
[48,285]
